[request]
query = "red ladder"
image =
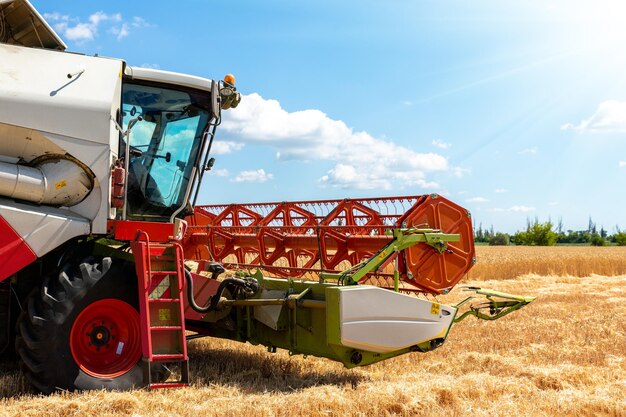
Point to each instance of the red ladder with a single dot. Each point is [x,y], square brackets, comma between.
[160,271]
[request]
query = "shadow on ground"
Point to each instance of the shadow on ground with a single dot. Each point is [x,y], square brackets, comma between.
[261,371]
[252,372]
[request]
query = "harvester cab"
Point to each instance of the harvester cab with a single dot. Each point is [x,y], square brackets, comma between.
[169,132]
[107,268]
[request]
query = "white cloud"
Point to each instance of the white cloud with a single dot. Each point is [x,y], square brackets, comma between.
[500,190]
[221,147]
[219,172]
[120,32]
[522,209]
[460,172]
[407,103]
[55,17]
[622,164]
[441,144]
[76,30]
[361,161]
[553,203]
[139,22]
[80,32]
[253,176]
[610,117]
[348,176]
[477,200]
[98,17]
[515,209]
[529,151]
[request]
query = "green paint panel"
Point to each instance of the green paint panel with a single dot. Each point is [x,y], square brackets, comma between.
[332,316]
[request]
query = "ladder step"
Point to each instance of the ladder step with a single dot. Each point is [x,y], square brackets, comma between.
[172,357]
[179,328]
[168,385]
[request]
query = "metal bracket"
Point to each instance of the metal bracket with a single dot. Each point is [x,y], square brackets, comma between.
[500,307]
[436,241]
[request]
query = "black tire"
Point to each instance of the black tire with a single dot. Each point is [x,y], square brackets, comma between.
[45,326]
[9,311]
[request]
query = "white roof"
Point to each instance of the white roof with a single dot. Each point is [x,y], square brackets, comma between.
[175,78]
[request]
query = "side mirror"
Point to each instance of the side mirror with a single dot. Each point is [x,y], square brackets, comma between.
[215,104]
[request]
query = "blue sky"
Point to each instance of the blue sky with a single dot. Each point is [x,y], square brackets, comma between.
[511,110]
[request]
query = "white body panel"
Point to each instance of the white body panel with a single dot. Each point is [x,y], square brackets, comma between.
[37,93]
[43,228]
[398,321]
[73,114]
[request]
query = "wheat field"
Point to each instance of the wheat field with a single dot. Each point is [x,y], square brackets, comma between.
[562,355]
[503,262]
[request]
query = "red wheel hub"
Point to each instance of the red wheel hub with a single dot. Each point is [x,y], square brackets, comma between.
[105,339]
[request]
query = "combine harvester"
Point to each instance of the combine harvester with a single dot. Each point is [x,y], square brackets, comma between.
[100,167]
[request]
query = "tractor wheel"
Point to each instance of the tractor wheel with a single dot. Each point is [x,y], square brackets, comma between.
[81,329]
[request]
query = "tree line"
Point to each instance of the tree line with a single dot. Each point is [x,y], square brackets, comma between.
[548,234]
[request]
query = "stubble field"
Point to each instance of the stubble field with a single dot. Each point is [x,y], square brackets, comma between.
[562,355]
